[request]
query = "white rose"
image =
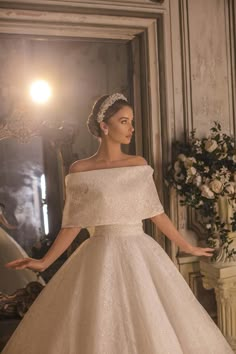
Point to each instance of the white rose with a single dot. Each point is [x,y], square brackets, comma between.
[197,180]
[181,157]
[222,156]
[191,171]
[216,186]
[210,145]
[206,192]
[189,162]
[177,167]
[230,188]
[225,148]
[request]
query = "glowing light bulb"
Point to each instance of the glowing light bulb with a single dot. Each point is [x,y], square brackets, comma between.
[40,91]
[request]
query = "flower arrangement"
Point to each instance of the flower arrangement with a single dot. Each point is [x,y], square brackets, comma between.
[204,175]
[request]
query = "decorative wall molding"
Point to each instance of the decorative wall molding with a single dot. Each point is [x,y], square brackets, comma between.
[149,30]
[222,278]
[137,5]
[232,52]
[208,71]
[47,23]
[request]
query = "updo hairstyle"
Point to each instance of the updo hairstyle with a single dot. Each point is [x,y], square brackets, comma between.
[93,124]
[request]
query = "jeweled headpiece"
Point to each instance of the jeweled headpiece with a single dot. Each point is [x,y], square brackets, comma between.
[109,101]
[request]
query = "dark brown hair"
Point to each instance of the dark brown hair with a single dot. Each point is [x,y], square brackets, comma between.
[92,123]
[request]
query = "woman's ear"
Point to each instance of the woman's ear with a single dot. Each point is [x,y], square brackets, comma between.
[104,128]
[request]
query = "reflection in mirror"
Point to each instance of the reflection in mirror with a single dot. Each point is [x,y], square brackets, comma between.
[33,164]
[23,217]
[22,189]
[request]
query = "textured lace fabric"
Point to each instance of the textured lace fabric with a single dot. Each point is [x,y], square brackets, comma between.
[119,292]
[124,195]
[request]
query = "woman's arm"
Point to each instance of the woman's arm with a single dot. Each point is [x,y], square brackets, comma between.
[166,226]
[61,243]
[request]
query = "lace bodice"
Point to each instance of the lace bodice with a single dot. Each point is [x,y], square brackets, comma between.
[123,195]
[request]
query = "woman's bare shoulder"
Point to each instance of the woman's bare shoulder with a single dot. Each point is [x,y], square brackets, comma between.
[80,165]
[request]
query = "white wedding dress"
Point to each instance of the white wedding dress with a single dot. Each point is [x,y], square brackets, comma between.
[119,292]
[11,279]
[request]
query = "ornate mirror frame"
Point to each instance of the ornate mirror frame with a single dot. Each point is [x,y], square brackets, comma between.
[123,21]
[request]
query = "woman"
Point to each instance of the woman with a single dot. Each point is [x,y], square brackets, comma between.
[119,293]
[10,279]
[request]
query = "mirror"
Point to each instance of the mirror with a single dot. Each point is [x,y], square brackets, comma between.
[39,142]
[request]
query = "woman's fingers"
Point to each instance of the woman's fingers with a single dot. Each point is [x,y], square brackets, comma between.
[208,252]
[17,262]
[30,263]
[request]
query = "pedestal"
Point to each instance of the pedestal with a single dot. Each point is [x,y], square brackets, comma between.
[222,278]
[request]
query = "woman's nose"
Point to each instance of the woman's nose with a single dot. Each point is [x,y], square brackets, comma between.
[131,128]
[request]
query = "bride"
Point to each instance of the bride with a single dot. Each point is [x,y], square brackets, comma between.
[11,280]
[119,292]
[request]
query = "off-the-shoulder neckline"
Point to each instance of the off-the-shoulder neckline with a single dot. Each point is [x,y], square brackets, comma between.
[107,169]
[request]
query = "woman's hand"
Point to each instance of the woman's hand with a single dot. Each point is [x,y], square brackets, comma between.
[166,226]
[201,251]
[30,263]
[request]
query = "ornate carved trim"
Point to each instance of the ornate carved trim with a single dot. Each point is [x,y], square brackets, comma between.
[148,30]
[68,5]
[17,304]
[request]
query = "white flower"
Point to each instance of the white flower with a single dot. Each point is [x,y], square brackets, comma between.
[179,186]
[210,145]
[222,156]
[198,142]
[189,179]
[206,192]
[208,226]
[197,180]
[224,179]
[230,188]
[216,186]
[225,148]
[189,162]
[177,167]
[234,158]
[181,157]
[206,169]
[191,171]
[224,170]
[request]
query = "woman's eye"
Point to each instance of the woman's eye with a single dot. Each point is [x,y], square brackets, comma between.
[125,121]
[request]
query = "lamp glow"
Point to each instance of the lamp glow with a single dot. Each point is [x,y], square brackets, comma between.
[40,91]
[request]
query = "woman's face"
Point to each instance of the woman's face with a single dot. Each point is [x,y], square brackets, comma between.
[120,126]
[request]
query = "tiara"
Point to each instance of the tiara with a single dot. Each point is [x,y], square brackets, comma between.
[108,103]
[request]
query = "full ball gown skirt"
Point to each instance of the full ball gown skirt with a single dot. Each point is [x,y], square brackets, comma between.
[119,293]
